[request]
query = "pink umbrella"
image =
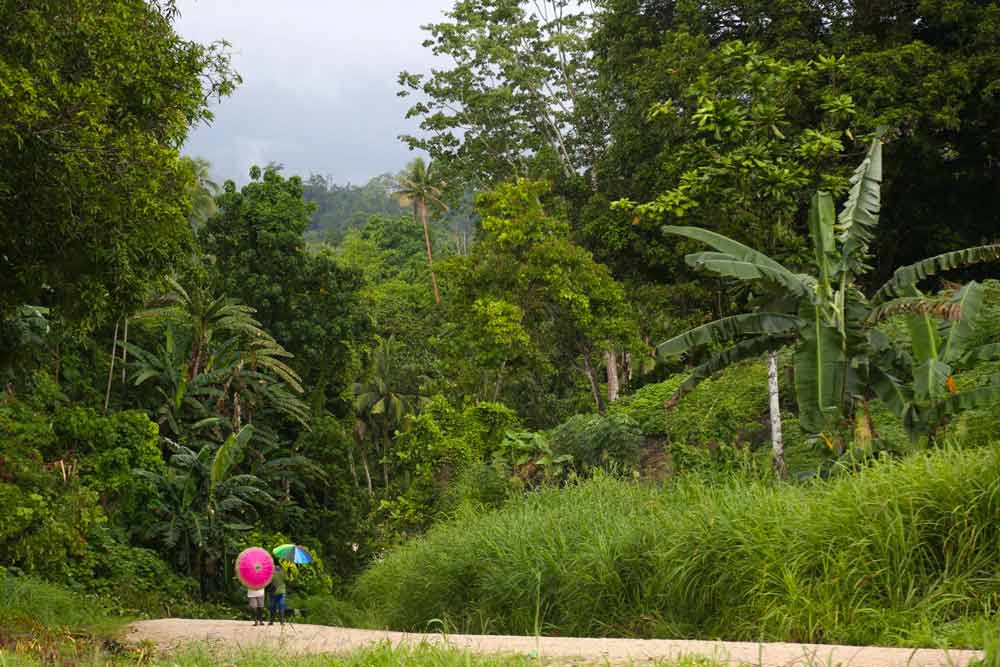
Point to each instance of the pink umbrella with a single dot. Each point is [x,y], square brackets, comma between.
[255,567]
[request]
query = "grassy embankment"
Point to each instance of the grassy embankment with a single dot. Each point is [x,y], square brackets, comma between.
[902,553]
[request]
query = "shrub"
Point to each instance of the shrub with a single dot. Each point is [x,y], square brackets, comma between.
[726,409]
[476,488]
[645,406]
[879,557]
[597,441]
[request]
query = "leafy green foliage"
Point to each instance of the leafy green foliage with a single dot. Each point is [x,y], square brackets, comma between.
[93,192]
[55,469]
[599,441]
[547,309]
[342,208]
[535,119]
[694,89]
[430,450]
[306,301]
[202,503]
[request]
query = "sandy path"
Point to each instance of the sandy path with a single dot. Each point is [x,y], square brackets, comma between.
[300,638]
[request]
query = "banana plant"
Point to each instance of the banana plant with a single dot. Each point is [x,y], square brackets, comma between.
[840,356]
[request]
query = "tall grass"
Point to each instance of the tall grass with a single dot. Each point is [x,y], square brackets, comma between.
[899,553]
[34,606]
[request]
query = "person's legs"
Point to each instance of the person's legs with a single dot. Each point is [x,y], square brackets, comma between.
[255,609]
[281,607]
[272,605]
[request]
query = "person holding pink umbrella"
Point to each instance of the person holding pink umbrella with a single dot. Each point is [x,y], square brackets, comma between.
[255,596]
[255,569]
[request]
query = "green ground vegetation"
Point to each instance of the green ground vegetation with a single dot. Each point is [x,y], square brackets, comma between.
[901,552]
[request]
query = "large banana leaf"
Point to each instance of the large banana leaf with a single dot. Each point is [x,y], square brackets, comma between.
[732,267]
[897,397]
[925,340]
[747,263]
[957,336]
[859,216]
[929,379]
[725,245]
[914,273]
[822,216]
[728,329]
[747,349]
[230,453]
[820,370]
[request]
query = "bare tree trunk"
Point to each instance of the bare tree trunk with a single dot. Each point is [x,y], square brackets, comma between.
[111,368]
[499,383]
[611,364]
[627,367]
[354,469]
[124,362]
[368,472]
[124,349]
[595,388]
[385,459]
[58,361]
[430,255]
[777,443]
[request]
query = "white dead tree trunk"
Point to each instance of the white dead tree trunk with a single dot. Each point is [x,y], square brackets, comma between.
[611,364]
[777,443]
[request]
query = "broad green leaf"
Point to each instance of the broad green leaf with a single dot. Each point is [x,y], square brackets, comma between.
[819,373]
[731,267]
[726,245]
[914,273]
[859,216]
[957,336]
[924,337]
[728,329]
[230,453]
[929,379]
[896,396]
[821,220]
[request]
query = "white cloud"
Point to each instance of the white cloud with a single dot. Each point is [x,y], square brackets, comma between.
[319,90]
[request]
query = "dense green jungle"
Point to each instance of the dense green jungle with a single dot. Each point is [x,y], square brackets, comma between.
[682,322]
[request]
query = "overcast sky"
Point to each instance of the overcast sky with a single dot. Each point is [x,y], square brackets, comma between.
[319,83]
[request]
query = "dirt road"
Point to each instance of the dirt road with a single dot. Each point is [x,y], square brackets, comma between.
[298,638]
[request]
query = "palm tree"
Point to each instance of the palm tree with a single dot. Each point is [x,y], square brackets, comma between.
[202,190]
[419,187]
[381,403]
[215,382]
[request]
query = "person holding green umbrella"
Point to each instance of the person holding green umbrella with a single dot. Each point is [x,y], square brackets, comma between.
[276,591]
[291,553]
